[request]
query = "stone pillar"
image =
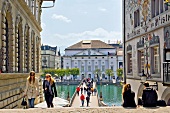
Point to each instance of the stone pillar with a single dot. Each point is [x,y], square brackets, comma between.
[34,53]
[29,52]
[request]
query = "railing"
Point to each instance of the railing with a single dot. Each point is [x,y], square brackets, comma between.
[74,95]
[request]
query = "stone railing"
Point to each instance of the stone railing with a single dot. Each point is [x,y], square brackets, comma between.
[12,87]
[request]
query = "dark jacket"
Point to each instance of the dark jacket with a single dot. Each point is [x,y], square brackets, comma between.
[53,89]
[128,98]
[149,97]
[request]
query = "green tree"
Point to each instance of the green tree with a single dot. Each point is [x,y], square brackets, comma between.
[119,73]
[50,71]
[98,73]
[60,73]
[109,72]
[67,72]
[74,72]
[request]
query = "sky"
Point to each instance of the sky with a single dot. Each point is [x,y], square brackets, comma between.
[71,21]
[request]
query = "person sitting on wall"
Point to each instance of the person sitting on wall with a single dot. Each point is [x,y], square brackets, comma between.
[128,96]
[149,96]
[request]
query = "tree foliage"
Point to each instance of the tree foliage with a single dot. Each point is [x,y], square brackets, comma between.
[74,71]
[119,72]
[109,72]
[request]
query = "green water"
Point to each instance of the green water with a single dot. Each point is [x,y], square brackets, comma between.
[62,90]
[111,93]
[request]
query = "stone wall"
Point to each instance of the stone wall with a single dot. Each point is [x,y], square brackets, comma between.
[12,88]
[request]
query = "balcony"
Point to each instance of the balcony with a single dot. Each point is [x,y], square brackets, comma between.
[166,74]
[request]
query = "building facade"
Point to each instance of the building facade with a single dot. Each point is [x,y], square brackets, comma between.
[20,40]
[146,35]
[89,55]
[50,57]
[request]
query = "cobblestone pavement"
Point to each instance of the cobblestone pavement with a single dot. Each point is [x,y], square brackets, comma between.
[89,110]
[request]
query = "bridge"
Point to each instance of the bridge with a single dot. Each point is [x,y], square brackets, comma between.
[93,99]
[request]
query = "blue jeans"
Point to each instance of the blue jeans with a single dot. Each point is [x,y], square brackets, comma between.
[82,102]
[31,102]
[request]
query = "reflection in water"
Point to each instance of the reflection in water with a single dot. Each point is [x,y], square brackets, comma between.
[112,94]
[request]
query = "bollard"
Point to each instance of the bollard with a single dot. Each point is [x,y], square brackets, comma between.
[68,97]
[101,98]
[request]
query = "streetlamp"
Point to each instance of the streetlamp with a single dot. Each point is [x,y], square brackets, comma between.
[167,2]
[144,78]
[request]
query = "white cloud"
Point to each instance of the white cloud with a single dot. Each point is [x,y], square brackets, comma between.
[61,17]
[64,41]
[102,9]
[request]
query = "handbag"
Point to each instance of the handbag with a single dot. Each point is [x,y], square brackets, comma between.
[24,102]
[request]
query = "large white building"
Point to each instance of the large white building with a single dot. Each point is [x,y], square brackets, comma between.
[89,55]
[146,35]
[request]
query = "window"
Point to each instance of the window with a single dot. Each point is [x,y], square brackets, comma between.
[96,57]
[161,6]
[82,57]
[89,68]
[129,64]
[155,60]
[141,60]
[75,57]
[136,18]
[102,57]
[96,67]
[103,68]
[111,67]
[153,8]
[82,68]
[89,62]
[75,66]
[157,7]
[111,57]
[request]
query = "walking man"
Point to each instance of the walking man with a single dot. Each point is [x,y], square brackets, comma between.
[87,100]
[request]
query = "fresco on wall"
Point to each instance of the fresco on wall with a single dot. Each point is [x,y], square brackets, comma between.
[147,23]
[167,37]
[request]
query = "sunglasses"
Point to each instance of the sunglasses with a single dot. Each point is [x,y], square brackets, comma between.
[47,77]
[31,75]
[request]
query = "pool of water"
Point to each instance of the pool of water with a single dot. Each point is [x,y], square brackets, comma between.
[111,93]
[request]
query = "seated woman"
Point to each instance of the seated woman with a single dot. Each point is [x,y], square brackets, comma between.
[128,96]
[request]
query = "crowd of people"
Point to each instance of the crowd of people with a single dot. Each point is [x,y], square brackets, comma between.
[89,90]
[149,96]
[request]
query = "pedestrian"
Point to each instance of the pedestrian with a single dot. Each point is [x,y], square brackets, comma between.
[92,91]
[149,96]
[49,90]
[78,90]
[32,89]
[88,93]
[84,90]
[82,99]
[128,96]
[87,100]
[95,91]
[81,89]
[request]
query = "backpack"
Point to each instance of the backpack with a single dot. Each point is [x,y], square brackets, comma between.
[150,97]
[161,103]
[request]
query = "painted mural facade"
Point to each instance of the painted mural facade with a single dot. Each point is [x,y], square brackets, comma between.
[147,33]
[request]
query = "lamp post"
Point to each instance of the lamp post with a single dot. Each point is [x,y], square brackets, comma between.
[167,2]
